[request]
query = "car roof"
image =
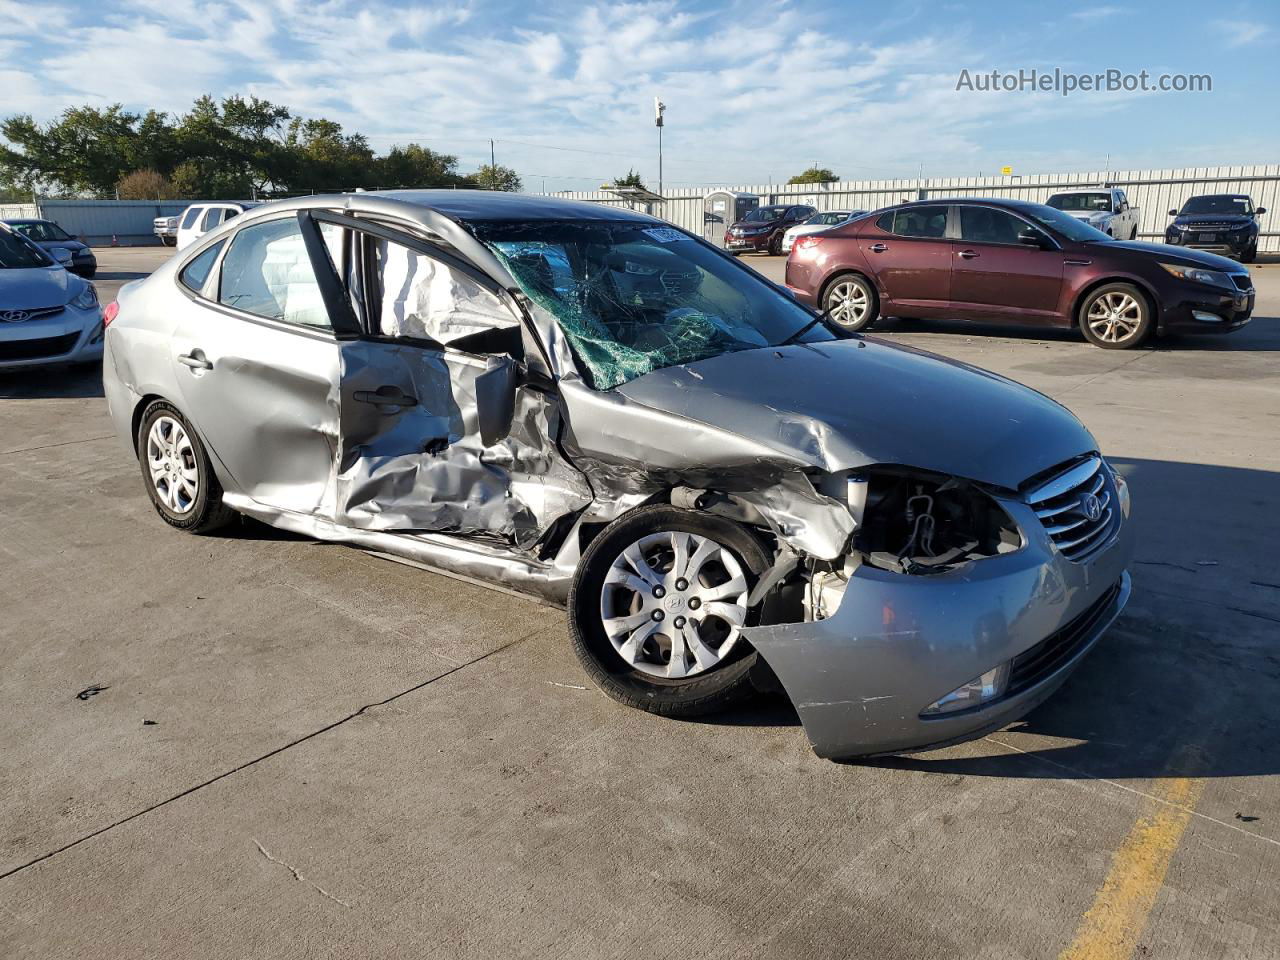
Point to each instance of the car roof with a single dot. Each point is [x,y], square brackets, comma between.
[496,205]
[969,201]
[14,221]
[1229,196]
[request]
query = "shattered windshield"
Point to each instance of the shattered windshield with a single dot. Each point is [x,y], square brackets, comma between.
[634,297]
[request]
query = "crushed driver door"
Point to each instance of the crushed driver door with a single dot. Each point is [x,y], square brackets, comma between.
[438,429]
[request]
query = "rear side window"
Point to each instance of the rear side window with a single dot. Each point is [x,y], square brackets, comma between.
[212,218]
[267,272]
[189,218]
[228,213]
[987,225]
[930,222]
[195,273]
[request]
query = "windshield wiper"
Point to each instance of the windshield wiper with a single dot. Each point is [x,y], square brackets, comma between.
[802,331]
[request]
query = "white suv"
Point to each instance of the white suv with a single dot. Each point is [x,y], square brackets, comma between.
[199,218]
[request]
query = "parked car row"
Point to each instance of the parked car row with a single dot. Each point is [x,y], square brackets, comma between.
[1013,261]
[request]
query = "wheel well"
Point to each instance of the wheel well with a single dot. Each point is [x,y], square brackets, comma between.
[1147,295]
[826,285]
[138,411]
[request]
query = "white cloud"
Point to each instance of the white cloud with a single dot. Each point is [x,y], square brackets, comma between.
[1091,14]
[1241,33]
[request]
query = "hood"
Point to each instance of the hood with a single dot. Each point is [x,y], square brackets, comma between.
[854,403]
[33,288]
[1086,214]
[1191,219]
[49,245]
[1173,254]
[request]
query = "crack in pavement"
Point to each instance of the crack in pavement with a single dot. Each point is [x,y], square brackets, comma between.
[61,443]
[298,876]
[266,756]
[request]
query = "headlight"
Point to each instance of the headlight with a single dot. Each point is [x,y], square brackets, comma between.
[86,298]
[976,692]
[1214,278]
[1242,226]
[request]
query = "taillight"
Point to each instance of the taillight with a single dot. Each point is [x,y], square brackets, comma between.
[805,242]
[109,313]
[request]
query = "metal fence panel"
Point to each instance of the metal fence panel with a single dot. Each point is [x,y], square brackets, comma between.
[98,221]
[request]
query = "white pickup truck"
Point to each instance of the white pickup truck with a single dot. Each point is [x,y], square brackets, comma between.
[166,228]
[1104,208]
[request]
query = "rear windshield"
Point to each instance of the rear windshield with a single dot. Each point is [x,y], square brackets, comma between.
[17,253]
[1236,205]
[634,297]
[1081,201]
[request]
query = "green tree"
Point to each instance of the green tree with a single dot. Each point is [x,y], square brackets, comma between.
[632,179]
[85,150]
[496,177]
[416,166]
[815,175]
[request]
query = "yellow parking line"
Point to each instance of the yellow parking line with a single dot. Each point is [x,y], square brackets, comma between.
[1109,930]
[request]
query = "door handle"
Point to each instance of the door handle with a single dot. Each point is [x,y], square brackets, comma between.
[968,255]
[195,360]
[386,397]
[878,247]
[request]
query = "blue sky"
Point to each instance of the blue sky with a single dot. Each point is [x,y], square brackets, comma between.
[754,90]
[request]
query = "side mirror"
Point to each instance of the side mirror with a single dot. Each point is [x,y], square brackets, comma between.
[1260,210]
[1031,238]
[1173,213]
[63,256]
[496,399]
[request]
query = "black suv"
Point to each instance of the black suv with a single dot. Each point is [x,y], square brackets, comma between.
[763,227]
[1224,223]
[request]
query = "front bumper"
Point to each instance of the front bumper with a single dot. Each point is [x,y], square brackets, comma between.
[1201,309]
[71,336]
[1224,243]
[897,643]
[754,243]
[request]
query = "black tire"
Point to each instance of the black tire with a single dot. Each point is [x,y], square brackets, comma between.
[835,295]
[206,511]
[1131,330]
[1249,255]
[169,241]
[718,687]
[775,245]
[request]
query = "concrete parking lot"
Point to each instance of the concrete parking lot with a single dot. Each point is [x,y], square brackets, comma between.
[252,744]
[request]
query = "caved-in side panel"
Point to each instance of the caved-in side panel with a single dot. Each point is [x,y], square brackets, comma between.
[412,457]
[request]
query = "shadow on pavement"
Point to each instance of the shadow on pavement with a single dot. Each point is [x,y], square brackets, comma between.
[56,381]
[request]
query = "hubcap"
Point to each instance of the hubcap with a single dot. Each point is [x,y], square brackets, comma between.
[1115,317]
[848,303]
[674,603]
[172,463]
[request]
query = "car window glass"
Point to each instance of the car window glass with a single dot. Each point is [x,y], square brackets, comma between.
[212,218]
[195,273]
[267,272]
[885,222]
[17,252]
[986,225]
[921,222]
[228,213]
[423,298]
[189,218]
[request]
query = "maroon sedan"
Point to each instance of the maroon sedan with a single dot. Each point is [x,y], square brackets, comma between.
[1006,260]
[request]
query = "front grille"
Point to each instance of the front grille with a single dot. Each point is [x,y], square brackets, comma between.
[1065,505]
[1243,281]
[1215,225]
[34,349]
[1033,665]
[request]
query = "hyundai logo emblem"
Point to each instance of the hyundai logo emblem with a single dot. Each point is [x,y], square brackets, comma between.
[1091,506]
[14,316]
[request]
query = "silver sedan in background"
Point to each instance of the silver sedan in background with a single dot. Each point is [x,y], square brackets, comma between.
[47,314]
[816,224]
[589,405]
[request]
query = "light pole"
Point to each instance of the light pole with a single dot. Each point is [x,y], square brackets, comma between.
[659,108]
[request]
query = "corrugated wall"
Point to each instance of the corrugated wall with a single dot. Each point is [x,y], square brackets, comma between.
[129,221]
[1154,192]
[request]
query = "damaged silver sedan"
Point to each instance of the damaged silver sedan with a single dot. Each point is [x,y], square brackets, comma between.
[588,405]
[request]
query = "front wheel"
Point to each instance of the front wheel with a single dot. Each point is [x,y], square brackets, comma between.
[657,610]
[1250,255]
[850,304]
[1116,317]
[775,245]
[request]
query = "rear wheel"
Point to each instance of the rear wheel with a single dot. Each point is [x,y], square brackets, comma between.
[177,472]
[658,606]
[1116,316]
[850,303]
